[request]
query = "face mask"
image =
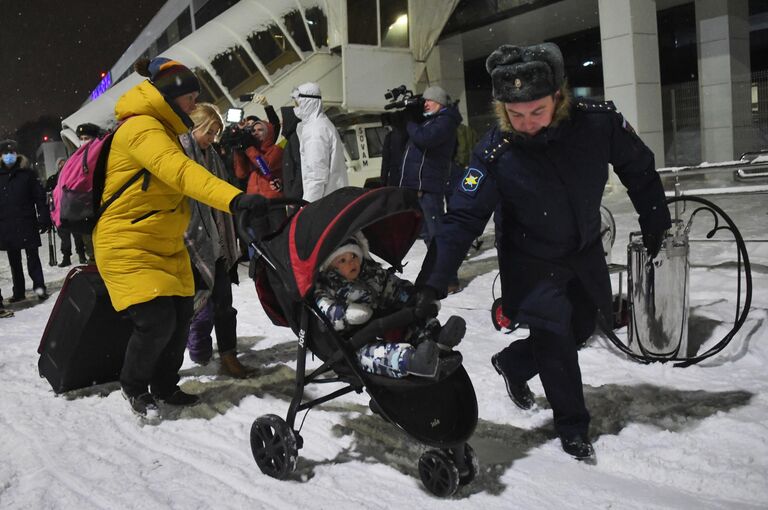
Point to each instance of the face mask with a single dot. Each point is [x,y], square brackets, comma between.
[429,114]
[9,158]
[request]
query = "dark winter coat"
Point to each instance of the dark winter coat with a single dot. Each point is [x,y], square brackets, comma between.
[549,189]
[429,152]
[23,206]
[292,184]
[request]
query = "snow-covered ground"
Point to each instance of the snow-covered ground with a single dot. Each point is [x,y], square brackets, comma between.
[665,437]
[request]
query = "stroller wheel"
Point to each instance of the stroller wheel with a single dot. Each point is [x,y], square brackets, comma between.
[471,466]
[273,444]
[438,473]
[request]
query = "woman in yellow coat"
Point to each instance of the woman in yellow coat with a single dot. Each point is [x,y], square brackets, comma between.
[139,239]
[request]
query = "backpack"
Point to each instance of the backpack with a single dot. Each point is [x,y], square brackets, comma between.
[76,204]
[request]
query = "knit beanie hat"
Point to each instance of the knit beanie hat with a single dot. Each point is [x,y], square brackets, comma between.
[171,78]
[437,94]
[525,73]
[356,244]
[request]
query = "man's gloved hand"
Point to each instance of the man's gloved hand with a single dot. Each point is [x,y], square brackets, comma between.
[652,242]
[426,304]
[44,228]
[358,313]
[255,204]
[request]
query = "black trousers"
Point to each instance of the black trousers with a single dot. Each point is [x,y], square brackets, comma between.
[555,359]
[66,243]
[156,348]
[34,269]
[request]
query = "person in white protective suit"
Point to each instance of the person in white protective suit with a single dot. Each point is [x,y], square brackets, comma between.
[323,169]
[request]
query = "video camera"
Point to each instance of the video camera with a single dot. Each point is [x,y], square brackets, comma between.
[401,97]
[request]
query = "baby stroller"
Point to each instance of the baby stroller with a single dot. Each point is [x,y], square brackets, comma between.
[440,413]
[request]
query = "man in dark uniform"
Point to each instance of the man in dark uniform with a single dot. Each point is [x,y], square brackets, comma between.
[546,166]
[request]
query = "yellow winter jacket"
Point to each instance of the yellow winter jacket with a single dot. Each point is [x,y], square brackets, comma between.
[139,240]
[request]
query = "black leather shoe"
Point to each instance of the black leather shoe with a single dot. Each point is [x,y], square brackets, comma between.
[179,398]
[577,447]
[520,393]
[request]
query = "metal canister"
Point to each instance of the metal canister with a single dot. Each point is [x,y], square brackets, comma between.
[658,293]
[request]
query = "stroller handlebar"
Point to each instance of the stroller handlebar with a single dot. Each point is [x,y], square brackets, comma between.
[243,221]
[377,327]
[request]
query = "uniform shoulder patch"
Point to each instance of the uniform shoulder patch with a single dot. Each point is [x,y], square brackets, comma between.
[592,106]
[471,180]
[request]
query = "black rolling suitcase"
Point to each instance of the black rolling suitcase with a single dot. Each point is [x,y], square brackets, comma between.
[85,339]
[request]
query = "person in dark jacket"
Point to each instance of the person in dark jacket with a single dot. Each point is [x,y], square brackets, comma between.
[292,184]
[546,166]
[65,235]
[24,216]
[429,154]
[393,147]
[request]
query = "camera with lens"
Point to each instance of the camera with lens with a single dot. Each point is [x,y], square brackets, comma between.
[235,136]
[401,97]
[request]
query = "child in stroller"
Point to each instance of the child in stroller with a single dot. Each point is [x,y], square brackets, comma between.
[352,287]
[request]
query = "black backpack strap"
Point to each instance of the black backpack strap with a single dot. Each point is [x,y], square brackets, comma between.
[135,177]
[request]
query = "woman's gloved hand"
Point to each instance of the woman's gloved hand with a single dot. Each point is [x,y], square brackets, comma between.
[254,204]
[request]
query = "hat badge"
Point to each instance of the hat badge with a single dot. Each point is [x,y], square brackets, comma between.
[518,83]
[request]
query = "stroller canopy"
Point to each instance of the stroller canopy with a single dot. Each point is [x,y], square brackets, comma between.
[389,217]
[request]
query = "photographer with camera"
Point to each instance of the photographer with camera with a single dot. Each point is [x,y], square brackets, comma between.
[238,137]
[428,155]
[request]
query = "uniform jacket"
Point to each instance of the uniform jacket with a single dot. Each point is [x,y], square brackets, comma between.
[429,153]
[549,189]
[139,240]
[23,206]
[376,287]
[292,185]
[323,169]
[257,183]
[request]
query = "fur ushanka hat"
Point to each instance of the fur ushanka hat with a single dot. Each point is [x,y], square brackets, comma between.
[525,73]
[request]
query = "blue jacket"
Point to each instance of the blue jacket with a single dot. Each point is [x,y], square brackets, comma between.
[549,189]
[429,153]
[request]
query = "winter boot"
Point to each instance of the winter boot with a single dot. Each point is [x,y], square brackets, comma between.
[519,392]
[179,398]
[577,446]
[42,294]
[16,299]
[66,261]
[143,406]
[452,332]
[423,361]
[232,367]
[81,258]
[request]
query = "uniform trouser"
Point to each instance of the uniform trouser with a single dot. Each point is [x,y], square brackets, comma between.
[66,243]
[433,206]
[34,269]
[555,359]
[156,347]
[218,313]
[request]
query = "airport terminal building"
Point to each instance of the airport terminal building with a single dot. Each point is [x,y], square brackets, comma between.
[690,76]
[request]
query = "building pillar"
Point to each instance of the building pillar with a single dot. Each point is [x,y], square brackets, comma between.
[445,67]
[631,76]
[722,29]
